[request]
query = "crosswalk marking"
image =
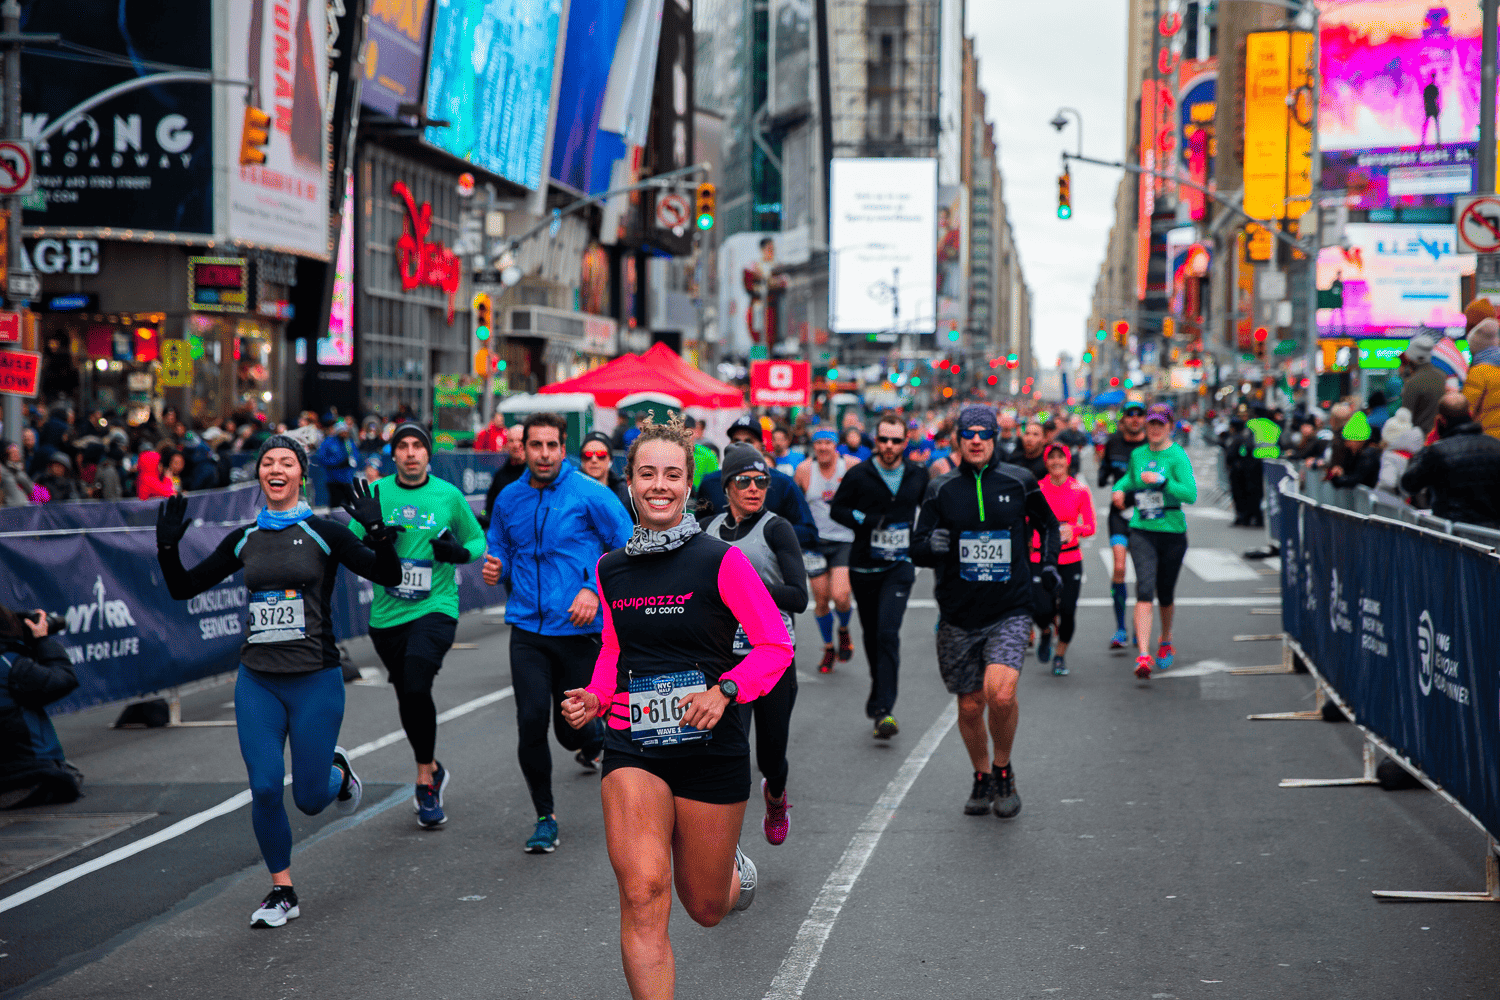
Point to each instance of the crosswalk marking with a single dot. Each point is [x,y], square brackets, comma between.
[1218,565]
[1107,557]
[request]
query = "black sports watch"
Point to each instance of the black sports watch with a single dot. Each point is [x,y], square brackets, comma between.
[729,689]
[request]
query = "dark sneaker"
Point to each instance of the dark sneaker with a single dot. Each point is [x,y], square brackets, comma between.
[1143,667]
[982,796]
[587,759]
[748,879]
[351,790]
[429,800]
[1007,799]
[1059,666]
[1044,647]
[886,727]
[826,667]
[279,906]
[776,824]
[544,838]
[846,646]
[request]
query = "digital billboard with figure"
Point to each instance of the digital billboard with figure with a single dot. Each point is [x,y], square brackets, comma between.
[1399,115]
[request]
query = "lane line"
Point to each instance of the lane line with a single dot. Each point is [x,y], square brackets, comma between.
[1218,565]
[229,805]
[807,948]
[1105,602]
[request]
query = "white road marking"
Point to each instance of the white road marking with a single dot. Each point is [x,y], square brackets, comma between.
[229,805]
[1209,513]
[802,958]
[1218,565]
[1200,669]
[1107,557]
[1105,602]
[1274,562]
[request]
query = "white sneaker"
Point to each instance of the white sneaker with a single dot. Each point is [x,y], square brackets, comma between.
[349,795]
[279,906]
[747,879]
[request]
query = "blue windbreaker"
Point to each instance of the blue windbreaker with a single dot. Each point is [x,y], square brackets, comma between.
[548,542]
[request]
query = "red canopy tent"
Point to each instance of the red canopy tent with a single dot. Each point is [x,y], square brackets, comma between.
[658,370]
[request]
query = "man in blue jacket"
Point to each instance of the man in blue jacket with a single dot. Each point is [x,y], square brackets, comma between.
[340,459]
[547,532]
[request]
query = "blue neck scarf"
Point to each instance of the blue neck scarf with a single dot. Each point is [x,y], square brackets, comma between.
[276,520]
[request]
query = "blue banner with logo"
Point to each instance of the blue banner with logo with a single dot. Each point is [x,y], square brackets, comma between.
[1401,623]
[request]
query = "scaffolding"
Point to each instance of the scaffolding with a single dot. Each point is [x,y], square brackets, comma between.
[884,77]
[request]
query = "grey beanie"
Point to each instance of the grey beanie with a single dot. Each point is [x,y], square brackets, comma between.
[977,415]
[282,441]
[410,429]
[741,458]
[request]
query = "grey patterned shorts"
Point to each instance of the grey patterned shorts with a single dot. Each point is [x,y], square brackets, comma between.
[963,653]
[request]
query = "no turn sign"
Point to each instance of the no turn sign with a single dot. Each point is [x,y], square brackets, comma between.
[1478,218]
[672,210]
[17,167]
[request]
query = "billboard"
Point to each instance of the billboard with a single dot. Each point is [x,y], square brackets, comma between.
[1278,119]
[952,256]
[142,161]
[395,50]
[1399,114]
[491,79]
[282,203]
[1393,277]
[1196,143]
[883,246]
[593,33]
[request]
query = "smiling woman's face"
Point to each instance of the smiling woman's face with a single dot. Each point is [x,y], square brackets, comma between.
[659,483]
[280,476]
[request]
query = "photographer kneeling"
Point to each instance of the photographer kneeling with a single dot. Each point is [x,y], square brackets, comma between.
[34,673]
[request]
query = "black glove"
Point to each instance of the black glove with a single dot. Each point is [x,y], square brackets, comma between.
[447,548]
[939,541]
[1051,579]
[171,521]
[366,510]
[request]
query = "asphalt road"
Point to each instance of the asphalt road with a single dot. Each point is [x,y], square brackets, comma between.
[1154,857]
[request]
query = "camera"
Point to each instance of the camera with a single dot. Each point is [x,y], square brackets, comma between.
[55,623]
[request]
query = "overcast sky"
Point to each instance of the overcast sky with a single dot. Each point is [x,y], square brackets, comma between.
[1033,59]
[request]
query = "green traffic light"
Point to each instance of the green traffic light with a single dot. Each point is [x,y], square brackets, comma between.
[705,221]
[483,333]
[916,380]
[1101,335]
[501,365]
[1064,211]
[953,336]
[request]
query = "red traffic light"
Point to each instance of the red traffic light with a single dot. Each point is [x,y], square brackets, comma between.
[1261,334]
[1114,383]
[994,380]
[944,364]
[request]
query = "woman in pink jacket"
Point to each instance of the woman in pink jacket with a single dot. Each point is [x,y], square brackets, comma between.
[676,750]
[1074,506]
[151,479]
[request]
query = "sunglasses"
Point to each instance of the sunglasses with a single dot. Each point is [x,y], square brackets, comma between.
[590,455]
[969,434]
[890,440]
[1135,413]
[747,481]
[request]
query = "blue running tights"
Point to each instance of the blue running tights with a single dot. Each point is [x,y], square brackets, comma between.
[308,708]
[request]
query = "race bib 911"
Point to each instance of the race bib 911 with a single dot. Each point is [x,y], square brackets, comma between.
[416,580]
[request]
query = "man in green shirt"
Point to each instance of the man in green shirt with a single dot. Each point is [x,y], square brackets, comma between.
[412,625]
[1162,477]
[705,459]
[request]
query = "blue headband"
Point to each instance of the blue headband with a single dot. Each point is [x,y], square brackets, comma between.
[824,435]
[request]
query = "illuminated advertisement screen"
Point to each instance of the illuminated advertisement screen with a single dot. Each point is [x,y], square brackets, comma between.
[883,246]
[1393,278]
[338,347]
[1399,115]
[491,80]
[581,155]
[394,47]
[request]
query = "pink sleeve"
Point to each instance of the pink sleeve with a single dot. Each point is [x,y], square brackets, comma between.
[1087,524]
[606,669]
[771,648]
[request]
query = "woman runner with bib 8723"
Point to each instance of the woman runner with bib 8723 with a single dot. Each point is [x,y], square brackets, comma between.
[676,754]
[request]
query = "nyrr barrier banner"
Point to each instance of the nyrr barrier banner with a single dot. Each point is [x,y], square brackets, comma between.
[235,504]
[470,471]
[1401,623]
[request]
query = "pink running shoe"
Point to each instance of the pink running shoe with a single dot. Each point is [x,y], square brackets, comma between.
[776,824]
[1143,667]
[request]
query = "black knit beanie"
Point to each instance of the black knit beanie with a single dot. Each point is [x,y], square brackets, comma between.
[282,441]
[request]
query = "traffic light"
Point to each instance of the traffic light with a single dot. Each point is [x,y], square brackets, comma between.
[254,135]
[1064,195]
[1261,333]
[1088,356]
[1122,332]
[705,214]
[484,310]
[482,361]
[1101,335]
[1168,327]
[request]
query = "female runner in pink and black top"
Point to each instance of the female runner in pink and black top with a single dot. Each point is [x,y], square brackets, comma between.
[676,762]
[1071,501]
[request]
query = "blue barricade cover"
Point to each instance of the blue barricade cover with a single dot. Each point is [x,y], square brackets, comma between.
[1401,623]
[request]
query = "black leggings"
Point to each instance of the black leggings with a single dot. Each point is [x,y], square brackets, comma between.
[413,653]
[1158,559]
[773,725]
[542,667]
[1067,600]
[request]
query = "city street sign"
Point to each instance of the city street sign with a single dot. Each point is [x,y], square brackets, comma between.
[780,383]
[23,285]
[176,364]
[10,327]
[1478,223]
[17,167]
[672,210]
[18,372]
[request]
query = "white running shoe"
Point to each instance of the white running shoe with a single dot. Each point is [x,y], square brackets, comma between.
[349,795]
[279,906]
[747,879]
